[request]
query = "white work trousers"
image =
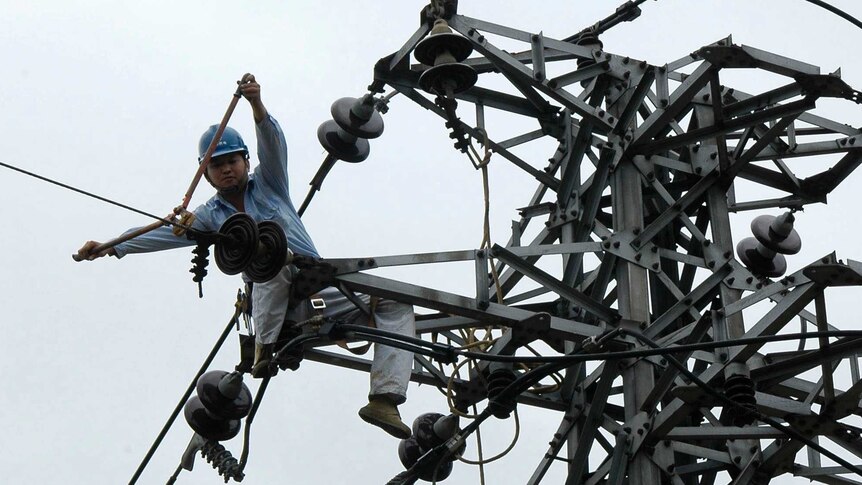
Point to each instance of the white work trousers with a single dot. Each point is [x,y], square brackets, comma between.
[390,367]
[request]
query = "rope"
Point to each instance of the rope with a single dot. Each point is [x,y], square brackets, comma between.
[503,453]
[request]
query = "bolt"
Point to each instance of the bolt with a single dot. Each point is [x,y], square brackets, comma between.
[616,244]
[706,97]
[636,231]
[749,280]
[713,155]
[706,243]
[654,249]
[361,263]
[627,74]
[638,257]
[601,113]
[664,103]
[722,357]
[655,266]
[606,245]
[698,170]
[628,430]
[626,60]
[727,254]
[730,281]
[696,148]
[710,264]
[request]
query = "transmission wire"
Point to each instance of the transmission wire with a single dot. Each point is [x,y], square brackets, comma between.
[90,194]
[837,11]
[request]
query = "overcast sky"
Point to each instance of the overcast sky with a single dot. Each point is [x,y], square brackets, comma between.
[112,96]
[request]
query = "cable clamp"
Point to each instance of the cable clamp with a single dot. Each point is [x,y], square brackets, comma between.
[591,344]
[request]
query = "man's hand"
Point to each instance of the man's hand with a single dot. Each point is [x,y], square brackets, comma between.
[86,252]
[250,90]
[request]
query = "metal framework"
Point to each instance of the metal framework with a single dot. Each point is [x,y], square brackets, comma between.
[633,211]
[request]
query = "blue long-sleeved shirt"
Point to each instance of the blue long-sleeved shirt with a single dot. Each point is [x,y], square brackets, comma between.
[267,198]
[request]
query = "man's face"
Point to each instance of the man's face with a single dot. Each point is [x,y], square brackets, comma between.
[229,172]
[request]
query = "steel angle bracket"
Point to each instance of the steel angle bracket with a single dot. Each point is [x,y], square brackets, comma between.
[620,244]
[829,272]
[741,56]
[638,427]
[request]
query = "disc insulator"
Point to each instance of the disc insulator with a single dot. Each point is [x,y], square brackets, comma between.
[357,118]
[271,253]
[238,246]
[206,424]
[341,144]
[221,402]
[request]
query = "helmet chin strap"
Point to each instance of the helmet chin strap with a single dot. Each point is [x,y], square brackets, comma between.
[234,189]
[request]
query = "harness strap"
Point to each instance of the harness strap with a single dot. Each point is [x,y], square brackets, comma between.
[362,349]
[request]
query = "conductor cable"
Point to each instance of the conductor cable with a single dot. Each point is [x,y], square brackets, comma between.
[94,196]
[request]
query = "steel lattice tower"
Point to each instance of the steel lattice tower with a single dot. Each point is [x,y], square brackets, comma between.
[633,208]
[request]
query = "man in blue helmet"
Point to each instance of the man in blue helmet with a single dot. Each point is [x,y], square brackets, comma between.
[264,195]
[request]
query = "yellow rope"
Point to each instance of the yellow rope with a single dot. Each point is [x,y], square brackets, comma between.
[503,453]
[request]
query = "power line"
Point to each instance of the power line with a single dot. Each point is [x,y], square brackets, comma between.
[837,11]
[90,194]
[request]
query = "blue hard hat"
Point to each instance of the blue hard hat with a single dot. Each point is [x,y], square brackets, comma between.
[230,142]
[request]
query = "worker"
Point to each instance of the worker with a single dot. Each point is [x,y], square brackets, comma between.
[264,195]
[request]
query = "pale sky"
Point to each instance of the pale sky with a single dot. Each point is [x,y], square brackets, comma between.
[111,97]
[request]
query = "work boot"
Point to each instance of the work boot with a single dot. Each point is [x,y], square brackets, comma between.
[262,361]
[383,413]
